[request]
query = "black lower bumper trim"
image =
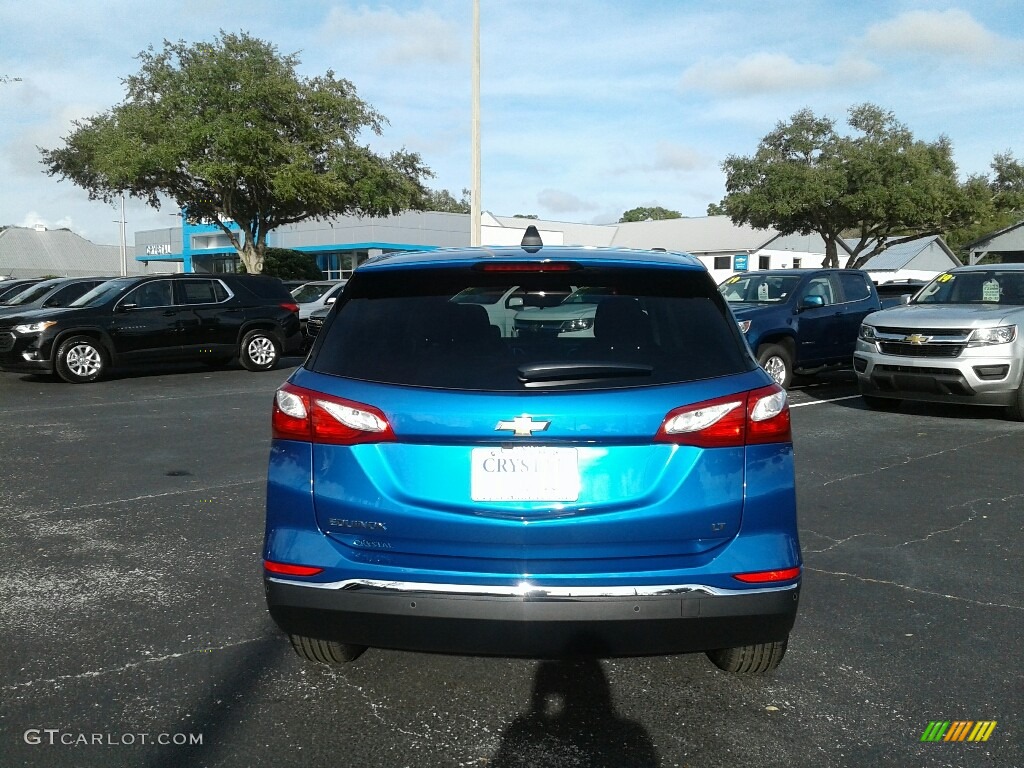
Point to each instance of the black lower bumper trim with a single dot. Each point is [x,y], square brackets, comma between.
[533,627]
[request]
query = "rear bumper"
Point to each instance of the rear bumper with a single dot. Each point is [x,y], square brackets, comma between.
[536,623]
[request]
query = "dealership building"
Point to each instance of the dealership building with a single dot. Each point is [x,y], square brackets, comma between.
[341,243]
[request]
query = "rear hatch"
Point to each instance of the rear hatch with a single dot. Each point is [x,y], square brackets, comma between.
[508,454]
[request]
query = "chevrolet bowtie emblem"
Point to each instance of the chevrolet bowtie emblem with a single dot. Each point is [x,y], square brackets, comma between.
[523,426]
[917,338]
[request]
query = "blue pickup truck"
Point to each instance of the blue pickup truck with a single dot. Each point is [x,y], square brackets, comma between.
[800,320]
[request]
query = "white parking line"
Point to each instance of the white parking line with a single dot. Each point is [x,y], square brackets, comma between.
[819,402]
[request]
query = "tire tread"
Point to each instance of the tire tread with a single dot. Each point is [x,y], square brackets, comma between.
[756,659]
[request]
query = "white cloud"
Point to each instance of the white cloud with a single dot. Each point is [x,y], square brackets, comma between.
[410,38]
[559,202]
[761,72]
[943,33]
[669,156]
[31,219]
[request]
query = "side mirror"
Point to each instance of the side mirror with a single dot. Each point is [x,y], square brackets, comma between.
[807,302]
[330,301]
[905,299]
[125,307]
[516,302]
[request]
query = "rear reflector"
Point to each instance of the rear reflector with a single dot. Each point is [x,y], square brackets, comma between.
[287,569]
[314,417]
[746,418]
[764,577]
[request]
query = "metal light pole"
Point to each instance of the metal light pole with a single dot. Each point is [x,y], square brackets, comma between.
[124,247]
[474,210]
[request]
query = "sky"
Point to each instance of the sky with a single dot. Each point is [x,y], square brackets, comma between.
[589,107]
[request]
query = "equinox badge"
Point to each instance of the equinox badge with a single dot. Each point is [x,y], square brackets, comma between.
[522,426]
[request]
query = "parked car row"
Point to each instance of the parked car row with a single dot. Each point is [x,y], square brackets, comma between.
[212,318]
[956,339]
[11,288]
[48,294]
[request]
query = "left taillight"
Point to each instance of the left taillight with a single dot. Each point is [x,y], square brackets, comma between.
[314,417]
[291,306]
[289,569]
[746,418]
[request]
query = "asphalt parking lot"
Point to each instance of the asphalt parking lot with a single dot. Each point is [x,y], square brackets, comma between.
[132,614]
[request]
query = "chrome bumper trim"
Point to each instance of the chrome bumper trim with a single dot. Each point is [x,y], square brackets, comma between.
[526,589]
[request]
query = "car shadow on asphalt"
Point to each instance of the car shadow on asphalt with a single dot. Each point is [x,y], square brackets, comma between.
[572,721]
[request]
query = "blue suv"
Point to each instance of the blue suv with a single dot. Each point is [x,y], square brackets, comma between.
[439,483]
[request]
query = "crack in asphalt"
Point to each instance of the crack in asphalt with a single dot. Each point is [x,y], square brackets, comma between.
[969,504]
[912,459]
[125,667]
[143,497]
[836,542]
[869,580]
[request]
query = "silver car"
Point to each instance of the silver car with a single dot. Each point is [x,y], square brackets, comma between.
[315,295]
[958,341]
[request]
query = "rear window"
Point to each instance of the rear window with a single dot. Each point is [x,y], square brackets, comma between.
[310,293]
[416,328]
[262,287]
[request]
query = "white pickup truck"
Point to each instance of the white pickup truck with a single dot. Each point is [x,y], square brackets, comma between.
[958,341]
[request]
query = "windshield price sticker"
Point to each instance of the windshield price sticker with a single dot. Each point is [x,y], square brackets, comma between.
[990,291]
[525,473]
[762,292]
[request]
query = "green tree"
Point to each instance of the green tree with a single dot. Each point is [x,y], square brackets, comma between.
[444,201]
[998,201]
[717,209]
[878,185]
[643,214]
[229,131]
[291,265]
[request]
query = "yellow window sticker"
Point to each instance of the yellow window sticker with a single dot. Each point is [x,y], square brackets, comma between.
[945,278]
[732,280]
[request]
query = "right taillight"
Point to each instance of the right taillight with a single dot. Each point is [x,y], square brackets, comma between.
[746,418]
[314,417]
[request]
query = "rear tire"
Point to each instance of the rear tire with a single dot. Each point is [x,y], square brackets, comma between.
[259,351]
[749,659]
[881,403]
[777,363]
[325,651]
[81,360]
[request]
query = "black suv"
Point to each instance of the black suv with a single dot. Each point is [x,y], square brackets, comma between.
[166,317]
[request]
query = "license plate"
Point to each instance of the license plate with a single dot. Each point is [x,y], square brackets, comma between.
[525,473]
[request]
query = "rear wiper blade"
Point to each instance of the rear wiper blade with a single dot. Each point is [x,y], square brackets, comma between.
[580,370]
